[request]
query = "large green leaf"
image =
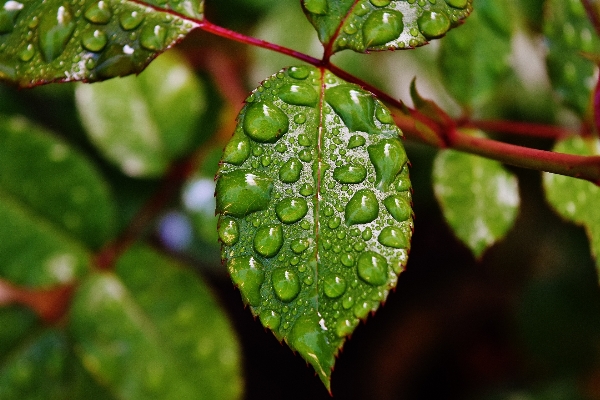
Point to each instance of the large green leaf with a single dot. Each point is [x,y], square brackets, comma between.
[569,32]
[143,123]
[478,197]
[573,199]
[153,331]
[363,25]
[66,40]
[315,205]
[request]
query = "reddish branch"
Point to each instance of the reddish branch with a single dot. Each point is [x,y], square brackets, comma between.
[49,304]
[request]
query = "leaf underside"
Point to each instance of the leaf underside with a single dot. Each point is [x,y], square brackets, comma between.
[315,209]
[89,40]
[363,25]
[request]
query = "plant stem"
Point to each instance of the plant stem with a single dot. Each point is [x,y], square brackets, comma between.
[519,128]
[591,8]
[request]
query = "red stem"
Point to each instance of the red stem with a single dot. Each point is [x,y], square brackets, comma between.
[592,12]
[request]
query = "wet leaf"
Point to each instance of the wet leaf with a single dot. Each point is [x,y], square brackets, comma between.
[59,40]
[478,197]
[156,332]
[315,209]
[383,24]
[569,32]
[573,199]
[143,123]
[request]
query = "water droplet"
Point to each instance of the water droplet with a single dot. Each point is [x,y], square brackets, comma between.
[367,234]
[270,319]
[299,245]
[356,141]
[130,19]
[8,15]
[300,118]
[27,53]
[115,60]
[306,190]
[303,140]
[318,7]
[457,3]
[229,232]
[372,268]
[381,27]
[347,260]
[334,222]
[393,237]
[300,72]
[350,174]
[242,192]
[268,240]
[265,122]
[94,40]
[290,171]
[286,284]
[56,28]
[350,28]
[388,158]
[356,107]
[299,94]
[398,207]
[237,150]
[433,24]
[334,286]
[362,208]
[361,309]
[291,210]
[383,115]
[308,337]
[305,155]
[98,13]
[281,147]
[346,327]
[248,274]
[380,3]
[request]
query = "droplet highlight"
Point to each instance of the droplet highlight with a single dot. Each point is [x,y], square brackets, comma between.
[268,240]
[299,95]
[248,275]
[372,268]
[286,284]
[56,28]
[381,27]
[392,237]
[362,208]
[350,174]
[242,192]
[334,286]
[354,106]
[264,122]
[398,207]
[228,231]
[388,158]
[237,150]
[290,171]
[433,24]
[291,210]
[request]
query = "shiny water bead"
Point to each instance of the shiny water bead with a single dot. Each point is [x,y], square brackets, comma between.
[237,150]
[347,260]
[433,24]
[268,240]
[248,275]
[228,231]
[264,122]
[305,155]
[398,207]
[94,40]
[153,37]
[372,268]
[291,210]
[55,29]
[457,3]
[304,140]
[334,222]
[356,107]
[242,192]
[299,94]
[98,13]
[300,118]
[27,52]
[361,309]
[367,234]
[383,115]
[299,245]
[8,15]
[381,27]
[350,174]
[334,286]
[301,72]
[306,190]
[130,19]
[345,327]
[318,7]
[391,236]
[363,207]
[356,141]
[388,158]
[285,283]
[270,319]
[380,3]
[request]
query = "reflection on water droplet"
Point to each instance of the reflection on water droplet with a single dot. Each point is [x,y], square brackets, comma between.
[268,240]
[347,260]
[350,174]
[300,72]
[299,245]
[229,232]
[247,273]
[130,19]
[306,190]
[372,268]
[388,158]
[27,53]
[237,150]
[286,284]
[392,237]
[98,13]
[290,171]
[383,115]
[356,107]
[398,207]
[356,141]
[153,37]
[270,319]
[291,210]
[242,192]
[299,94]
[334,286]
[381,27]
[56,28]
[94,40]
[380,3]
[433,24]
[361,309]
[265,122]
[345,327]
[363,207]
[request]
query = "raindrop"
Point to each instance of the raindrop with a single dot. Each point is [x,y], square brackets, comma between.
[291,210]
[356,107]
[363,207]
[242,192]
[229,232]
[398,207]
[270,319]
[361,310]
[94,40]
[303,140]
[290,171]
[130,19]
[380,3]
[56,28]
[348,302]
[347,260]
[300,118]
[299,245]
[433,24]
[306,190]
[334,222]
[153,37]
[372,268]
[383,115]
[265,122]
[98,13]
[356,141]
[388,158]
[345,327]
[300,72]
[367,234]
[318,7]
[8,15]
[286,284]
[27,53]
[350,174]
[392,237]
[268,240]
[305,155]
[299,94]
[334,286]
[247,273]
[237,150]
[381,27]
[457,3]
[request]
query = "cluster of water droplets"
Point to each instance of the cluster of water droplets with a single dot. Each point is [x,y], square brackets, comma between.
[315,206]
[387,24]
[83,39]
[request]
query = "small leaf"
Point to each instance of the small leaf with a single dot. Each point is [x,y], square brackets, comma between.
[315,216]
[143,123]
[44,41]
[569,33]
[383,24]
[573,199]
[156,332]
[15,323]
[478,197]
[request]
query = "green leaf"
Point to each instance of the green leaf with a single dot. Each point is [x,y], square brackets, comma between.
[383,24]
[315,209]
[57,40]
[569,33]
[156,332]
[478,197]
[15,323]
[475,60]
[143,123]
[573,199]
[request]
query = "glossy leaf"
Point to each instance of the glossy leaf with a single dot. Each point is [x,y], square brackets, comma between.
[156,332]
[315,209]
[569,33]
[143,123]
[57,40]
[573,199]
[478,197]
[383,24]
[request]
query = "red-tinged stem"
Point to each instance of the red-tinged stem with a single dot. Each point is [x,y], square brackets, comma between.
[519,128]
[591,8]
[597,105]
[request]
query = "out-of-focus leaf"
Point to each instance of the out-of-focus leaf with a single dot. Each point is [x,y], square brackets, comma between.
[478,197]
[573,199]
[156,332]
[569,32]
[383,24]
[475,59]
[15,323]
[143,123]
[54,40]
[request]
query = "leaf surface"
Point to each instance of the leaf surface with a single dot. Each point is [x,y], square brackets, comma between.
[143,123]
[478,197]
[363,25]
[57,40]
[315,209]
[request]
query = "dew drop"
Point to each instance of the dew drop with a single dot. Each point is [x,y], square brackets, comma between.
[305,155]
[381,27]
[56,28]
[350,174]
[94,40]
[299,94]
[372,268]
[334,286]
[286,284]
[303,140]
[383,115]
[248,274]
[361,310]
[356,141]
[457,3]
[380,3]
[300,118]
[98,13]
[356,107]
[392,237]
[398,207]
[348,302]
[318,7]
[334,222]
[228,230]
[347,260]
[299,245]
[237,150]
[388,158]
[8,15]
[291,210]
[270,319]
[153,37]
[268,240]
[367,234]
[433,24]
[27,53]
[300,72]
[115,60]
[290,171]
[265,122]
[345,327]
[362,208]
[130,19]
[306,190]
[242,192]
